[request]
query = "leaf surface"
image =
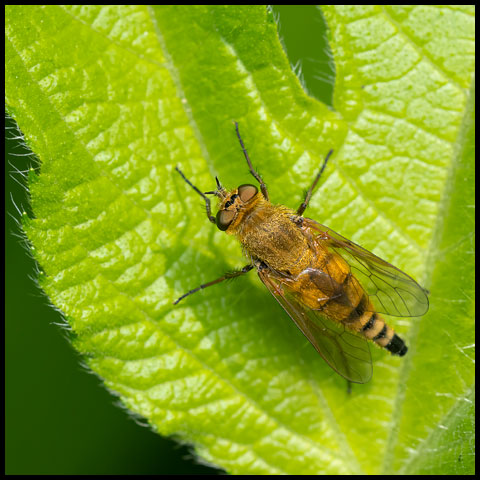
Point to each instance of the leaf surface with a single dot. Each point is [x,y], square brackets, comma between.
[111,98]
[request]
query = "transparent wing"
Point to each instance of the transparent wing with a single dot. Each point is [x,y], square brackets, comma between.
[346,352]
[392,291]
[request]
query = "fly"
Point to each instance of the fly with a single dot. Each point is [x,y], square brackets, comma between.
[334,290]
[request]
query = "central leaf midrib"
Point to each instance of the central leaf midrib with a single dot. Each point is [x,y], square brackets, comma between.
[176,78]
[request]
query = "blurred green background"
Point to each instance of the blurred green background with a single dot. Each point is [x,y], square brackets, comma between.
[59,418]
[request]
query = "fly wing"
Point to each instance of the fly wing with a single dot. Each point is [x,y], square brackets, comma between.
[392,291]
[346,352]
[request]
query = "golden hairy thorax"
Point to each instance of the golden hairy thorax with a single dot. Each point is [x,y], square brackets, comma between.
[268,233]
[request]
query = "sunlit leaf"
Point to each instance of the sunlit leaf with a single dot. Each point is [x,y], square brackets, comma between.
[112,98]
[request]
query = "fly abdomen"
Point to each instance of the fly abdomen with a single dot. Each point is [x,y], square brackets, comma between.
[377,330]
[367,322]
[397,346]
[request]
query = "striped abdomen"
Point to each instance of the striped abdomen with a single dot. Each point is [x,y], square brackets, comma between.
[365,320]
[330,287]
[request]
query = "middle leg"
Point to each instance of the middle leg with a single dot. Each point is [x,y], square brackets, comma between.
[228,275]
[304,204]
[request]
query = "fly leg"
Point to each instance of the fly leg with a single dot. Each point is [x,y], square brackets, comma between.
[304,205]
[207,200]
[227,276]
[349,387]
[259,179]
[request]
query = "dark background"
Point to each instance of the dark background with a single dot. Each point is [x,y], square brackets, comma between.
[59,418]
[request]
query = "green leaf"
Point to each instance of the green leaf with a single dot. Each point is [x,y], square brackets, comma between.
[111,98]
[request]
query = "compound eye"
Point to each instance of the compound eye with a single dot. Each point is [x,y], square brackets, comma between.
[247,192]
[224,219]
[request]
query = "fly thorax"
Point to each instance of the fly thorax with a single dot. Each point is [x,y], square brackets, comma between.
[267,233]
